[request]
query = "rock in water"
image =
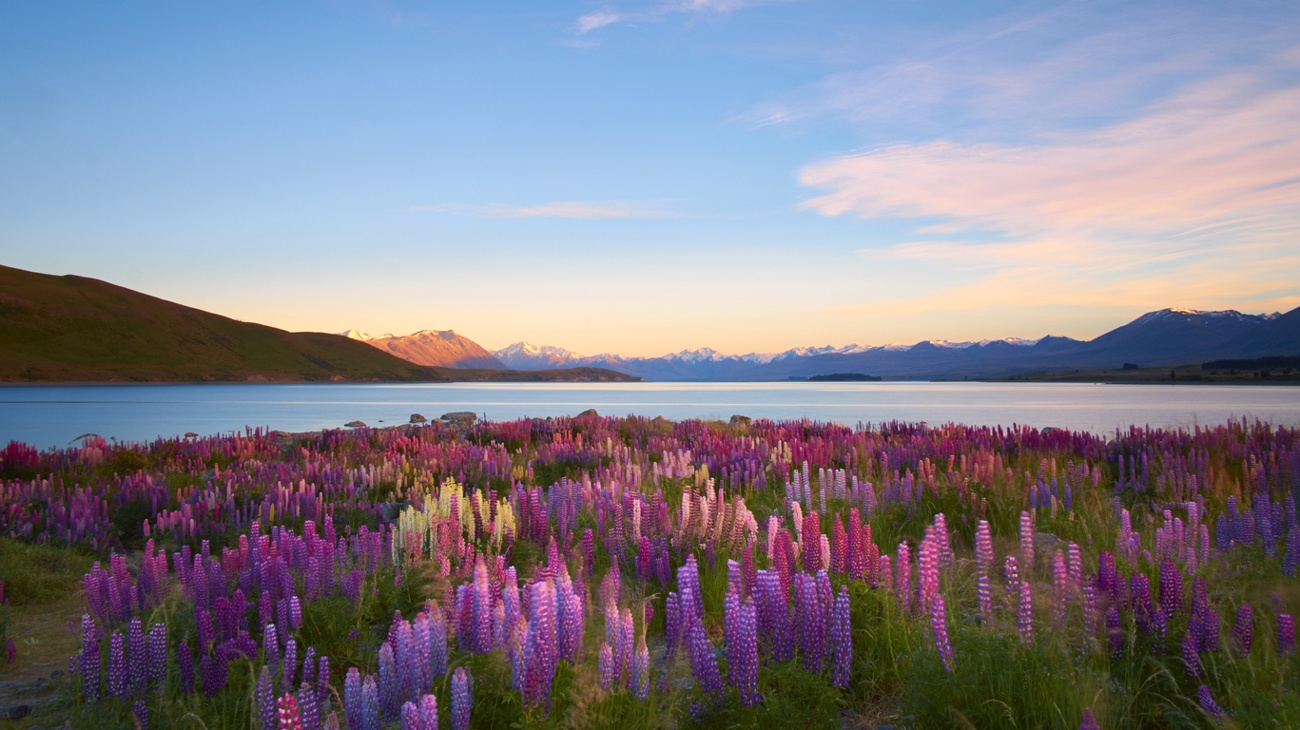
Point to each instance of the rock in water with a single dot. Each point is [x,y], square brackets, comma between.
[589,412]
[355,424]
[460,417]
[417,418]
[739,420]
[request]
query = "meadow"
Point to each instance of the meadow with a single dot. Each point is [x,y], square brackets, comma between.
[632,572]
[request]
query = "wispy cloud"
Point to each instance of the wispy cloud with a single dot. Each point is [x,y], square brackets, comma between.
[598,19]
[576,210]
[653,11]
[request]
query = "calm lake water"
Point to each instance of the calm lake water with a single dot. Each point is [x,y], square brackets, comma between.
[46,416]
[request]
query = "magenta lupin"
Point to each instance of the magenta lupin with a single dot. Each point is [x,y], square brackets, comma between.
[1026,541]
[1088,722]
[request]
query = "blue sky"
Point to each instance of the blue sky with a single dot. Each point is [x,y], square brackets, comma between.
[643,177]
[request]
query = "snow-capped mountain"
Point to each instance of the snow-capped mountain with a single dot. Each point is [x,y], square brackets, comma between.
[1165,337]
[441,348]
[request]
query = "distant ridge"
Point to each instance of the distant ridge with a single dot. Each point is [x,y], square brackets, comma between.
[77,329]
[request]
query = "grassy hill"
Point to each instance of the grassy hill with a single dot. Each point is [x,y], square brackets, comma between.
[76,329]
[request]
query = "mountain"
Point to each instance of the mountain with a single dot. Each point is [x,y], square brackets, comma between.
[1168,337]
[437,348]
[77,329]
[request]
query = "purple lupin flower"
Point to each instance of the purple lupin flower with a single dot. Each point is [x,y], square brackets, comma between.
[1088,722]
[1208,704]
[89,665]
[266,699]
[1285,634]
[1026,613]
[640,680]
[185,667]
[841,640]
[308,710]
[1210,630]
[704,664]
[462,699]
[389,686]
[605,666]
[117,679]
[429,713]
[939,627]
[271,647]
[411,717]
[540,656]
[289,668]
[1060,590]
[1243,632]
[741,632]
[136,654]
[1114,632]
[141,712]
[157,650]
[984,597]
[1171,588]
[903,576]
[352,697]
[369,715]
[1191,659]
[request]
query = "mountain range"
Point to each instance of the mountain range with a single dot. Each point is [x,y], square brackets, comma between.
[1168,337]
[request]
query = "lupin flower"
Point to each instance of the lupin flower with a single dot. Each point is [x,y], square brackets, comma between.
[841,640]
[1114,633]
[742,645]
[462,699]
[157,653]
[141,713]
[117,679]
[288,717]
[703,662]
[1088,722]
[1191,658]
[983,547]
[352,697]
[605,666]
[1026,541]
[389,699]
[308,708]
[89,665]
[369,716]
[1208,704]
[640,679]
[429,713]
[411,717]
[1285,634]
[185,667]
[939,627]
[265,694]
[1244,630]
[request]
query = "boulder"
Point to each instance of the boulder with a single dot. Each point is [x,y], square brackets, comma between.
[355,424]
[589,412]
[417,418]
[739,420]
[459,417]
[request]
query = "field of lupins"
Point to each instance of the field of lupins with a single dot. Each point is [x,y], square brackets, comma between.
[599,572]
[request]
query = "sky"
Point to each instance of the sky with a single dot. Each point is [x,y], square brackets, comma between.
[646,176]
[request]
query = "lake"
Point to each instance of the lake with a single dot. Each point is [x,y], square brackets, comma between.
[46,416]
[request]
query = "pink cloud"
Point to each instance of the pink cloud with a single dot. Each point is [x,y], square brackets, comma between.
[1222,157]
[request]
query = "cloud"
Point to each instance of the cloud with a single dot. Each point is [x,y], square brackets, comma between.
[597,19]
[575,210]
[655,11]
[1222,158]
